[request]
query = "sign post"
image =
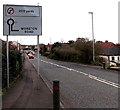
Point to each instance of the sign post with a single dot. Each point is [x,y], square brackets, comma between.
[38,51]
[7,61]
[19,20]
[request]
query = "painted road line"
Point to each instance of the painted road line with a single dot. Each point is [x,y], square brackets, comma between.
[86,74]
[104,81]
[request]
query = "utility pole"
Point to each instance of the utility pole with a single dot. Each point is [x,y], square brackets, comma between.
[93,38]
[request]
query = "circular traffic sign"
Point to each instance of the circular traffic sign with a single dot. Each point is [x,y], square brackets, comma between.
[10,11]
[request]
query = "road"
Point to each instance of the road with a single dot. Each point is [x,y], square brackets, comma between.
[81,86]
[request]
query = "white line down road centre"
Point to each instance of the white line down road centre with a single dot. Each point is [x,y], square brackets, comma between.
[22,20]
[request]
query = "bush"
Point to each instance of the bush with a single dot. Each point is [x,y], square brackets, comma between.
[79,51]
[15,67]
[4,71]
[66,53]
[46,54]
[97,63]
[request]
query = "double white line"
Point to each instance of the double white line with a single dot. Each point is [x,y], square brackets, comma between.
[86,74]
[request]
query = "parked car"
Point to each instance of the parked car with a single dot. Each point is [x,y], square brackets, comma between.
[32,52]
[30,56]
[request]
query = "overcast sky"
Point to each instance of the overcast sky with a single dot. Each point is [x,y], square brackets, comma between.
[64,20]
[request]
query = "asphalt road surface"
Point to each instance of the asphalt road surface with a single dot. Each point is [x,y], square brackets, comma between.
[81,86]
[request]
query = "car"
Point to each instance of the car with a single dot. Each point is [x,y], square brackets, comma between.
[30,56]
[33,52]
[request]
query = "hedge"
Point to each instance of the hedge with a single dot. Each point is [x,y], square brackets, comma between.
[15,67]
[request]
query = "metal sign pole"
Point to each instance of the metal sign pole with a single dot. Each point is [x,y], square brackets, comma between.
[7,62]
[38,51]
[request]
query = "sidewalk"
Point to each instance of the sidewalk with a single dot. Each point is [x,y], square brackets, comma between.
[115,68]
[29,92]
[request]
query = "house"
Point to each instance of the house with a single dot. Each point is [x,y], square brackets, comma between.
[110,53]
[14,45]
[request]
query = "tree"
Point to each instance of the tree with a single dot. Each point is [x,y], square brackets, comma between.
[84,46]
[71,41]
[43,50]
[55,45]
[33,47]
[77,51]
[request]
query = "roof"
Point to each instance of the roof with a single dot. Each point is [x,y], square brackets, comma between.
[110,48]
[107,44]
[112,51]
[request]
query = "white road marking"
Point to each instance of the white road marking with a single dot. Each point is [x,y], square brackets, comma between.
[86,74]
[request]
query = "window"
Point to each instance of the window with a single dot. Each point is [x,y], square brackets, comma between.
[113,58]
[118,58]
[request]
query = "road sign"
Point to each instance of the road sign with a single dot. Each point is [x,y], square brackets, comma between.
[22,20]
[10,10]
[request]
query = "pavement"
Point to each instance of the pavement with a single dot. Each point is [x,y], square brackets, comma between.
[29,92]
[115,68]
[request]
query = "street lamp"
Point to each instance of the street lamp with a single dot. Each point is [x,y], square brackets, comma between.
[93,37]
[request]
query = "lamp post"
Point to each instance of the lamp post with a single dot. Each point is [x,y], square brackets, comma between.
[93,38]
